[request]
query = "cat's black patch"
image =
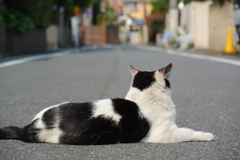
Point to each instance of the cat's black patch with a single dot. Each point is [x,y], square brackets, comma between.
[30,133]
[49,118]
[93,131]
[80,128]
[133,126]
[11,132]
[143,80]
[73,114]
[167,83]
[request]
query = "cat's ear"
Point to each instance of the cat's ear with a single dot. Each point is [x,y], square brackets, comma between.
[165,71]
[133,70]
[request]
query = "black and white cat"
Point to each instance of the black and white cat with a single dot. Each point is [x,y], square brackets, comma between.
[146,115]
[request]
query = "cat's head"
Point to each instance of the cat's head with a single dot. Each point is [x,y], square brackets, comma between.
[150,82]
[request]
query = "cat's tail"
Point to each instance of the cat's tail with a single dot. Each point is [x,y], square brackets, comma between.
[11,132]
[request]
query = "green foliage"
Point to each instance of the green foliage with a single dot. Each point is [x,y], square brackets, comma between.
[18,21]
[22,5]
[84,3]
[161,6]
[2,10]
[109,16]
[80,3]
[22,16]
[69,5]
[157,26]
[41,12]
[99,19]
[173,43]
[13,19]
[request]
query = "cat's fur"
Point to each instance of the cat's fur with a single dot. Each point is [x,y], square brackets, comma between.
[146,115]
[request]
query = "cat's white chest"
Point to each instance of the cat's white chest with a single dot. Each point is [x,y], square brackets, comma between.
[162,124]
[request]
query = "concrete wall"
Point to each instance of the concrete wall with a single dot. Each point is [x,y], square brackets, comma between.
[2,40]
[221,17]
[52,36]
[185,17]
[195,18]
[29,43]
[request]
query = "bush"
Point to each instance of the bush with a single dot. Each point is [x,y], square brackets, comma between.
[108,17]
[160,6]
[173,43]
[40,12]
[22,16]
[17,21]
[2,9]
[14,19]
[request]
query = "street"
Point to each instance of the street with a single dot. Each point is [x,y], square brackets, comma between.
[206,94]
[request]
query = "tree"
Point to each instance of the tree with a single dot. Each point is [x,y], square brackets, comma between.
[108,17]
[22,16]
[69,5]
[79,3]
[161,6]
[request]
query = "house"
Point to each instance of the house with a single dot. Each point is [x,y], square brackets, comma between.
[195,19]
[208,24]
[135,13]
[117,5]
[135,8]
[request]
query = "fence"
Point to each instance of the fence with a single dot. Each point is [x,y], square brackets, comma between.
[18,44]
[99,35]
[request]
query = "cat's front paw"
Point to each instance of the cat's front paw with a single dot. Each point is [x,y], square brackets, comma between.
[207,137]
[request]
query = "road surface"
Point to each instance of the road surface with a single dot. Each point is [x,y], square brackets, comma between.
[205,90]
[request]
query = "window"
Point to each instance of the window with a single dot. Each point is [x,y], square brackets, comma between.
[133,6]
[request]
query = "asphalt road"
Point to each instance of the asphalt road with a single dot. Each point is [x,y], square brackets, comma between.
[206,93]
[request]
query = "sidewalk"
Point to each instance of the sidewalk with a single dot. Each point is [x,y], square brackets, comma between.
[205,52]
[196,54]
[190,51]
[49,51]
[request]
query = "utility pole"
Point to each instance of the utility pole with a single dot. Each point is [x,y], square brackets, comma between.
[173,16]
[61,26]
[144,8]
[144,28]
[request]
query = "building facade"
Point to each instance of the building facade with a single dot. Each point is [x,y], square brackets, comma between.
[135,8]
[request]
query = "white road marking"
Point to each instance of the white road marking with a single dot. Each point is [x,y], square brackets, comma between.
[197,56]
[206,57]
[32,58]
[38,57]
[178,53]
